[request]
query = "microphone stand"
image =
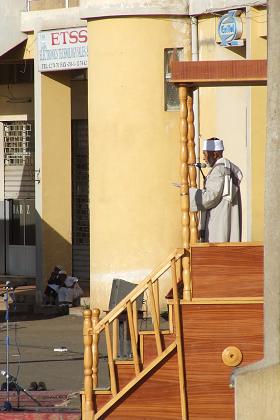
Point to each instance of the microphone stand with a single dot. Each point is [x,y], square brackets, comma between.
[7,405]
[201,171]
[19,388]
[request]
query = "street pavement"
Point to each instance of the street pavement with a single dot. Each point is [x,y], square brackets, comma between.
[32,356]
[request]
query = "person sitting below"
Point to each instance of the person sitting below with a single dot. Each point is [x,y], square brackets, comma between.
[220,200]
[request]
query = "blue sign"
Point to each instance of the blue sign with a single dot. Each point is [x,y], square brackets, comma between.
[230,29]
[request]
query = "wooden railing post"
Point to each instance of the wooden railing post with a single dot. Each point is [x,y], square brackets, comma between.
[156,297]
[183,93]
[111,363]
[95,339]
[133,337]
[135,319]
[191,160]
[178,332]
[88,383]
[155,318]
[115,338]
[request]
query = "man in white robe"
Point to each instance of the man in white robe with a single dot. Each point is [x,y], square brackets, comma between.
[219,201]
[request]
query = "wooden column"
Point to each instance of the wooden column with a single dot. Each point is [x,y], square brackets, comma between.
[191,159]
[183,94]
[88,383]
[95,339]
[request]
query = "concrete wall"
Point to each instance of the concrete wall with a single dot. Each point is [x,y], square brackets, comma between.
[56,212]
[9,109]
[257,49]
[133,149]
[10,24]
[257,395]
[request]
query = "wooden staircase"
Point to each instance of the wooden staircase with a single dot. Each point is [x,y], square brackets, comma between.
[185,371]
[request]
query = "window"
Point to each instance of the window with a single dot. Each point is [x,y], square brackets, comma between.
[171,93]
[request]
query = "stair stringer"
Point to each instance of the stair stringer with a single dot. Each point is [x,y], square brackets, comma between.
[149,392]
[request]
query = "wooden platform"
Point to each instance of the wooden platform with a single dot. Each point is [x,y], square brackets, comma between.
[226,311]
[227,271]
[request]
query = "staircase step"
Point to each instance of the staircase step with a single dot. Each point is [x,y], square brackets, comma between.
[163,332]
[102,391]
[124,362]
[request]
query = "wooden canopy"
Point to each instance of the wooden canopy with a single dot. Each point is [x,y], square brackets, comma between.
[220,73]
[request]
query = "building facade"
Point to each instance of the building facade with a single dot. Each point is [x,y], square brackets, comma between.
[90,150]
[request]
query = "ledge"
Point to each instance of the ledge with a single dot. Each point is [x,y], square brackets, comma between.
[51,19]
[90,9]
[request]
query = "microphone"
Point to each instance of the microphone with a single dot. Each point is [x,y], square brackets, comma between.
[198,165]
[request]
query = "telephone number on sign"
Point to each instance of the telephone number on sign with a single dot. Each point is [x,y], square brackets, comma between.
[63,65]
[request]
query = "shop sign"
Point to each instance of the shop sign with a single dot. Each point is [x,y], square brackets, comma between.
[230,29]
[63,49]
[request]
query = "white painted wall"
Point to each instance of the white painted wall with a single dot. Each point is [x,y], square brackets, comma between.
[10,11]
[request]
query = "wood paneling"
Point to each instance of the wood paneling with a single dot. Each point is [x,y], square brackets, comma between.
[208,330]
[227,271]
[217,73]
[99,400]
[157,397]
[124,374]
[150,349]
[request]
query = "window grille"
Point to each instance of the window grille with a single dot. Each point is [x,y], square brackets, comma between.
[18,144]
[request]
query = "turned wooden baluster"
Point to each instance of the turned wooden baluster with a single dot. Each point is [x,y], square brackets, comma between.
[191,159]
[95,339]
[88,382]
[183,93]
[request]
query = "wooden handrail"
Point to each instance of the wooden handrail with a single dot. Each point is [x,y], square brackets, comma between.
[161,269]
[92,329]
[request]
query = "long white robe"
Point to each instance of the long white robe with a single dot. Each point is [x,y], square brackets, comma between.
[220,203]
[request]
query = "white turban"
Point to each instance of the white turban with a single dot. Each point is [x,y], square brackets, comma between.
[213,145]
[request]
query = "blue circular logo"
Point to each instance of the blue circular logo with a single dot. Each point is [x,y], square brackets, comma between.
[229,27]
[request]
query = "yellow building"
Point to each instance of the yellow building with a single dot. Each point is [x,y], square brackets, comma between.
[125,168]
